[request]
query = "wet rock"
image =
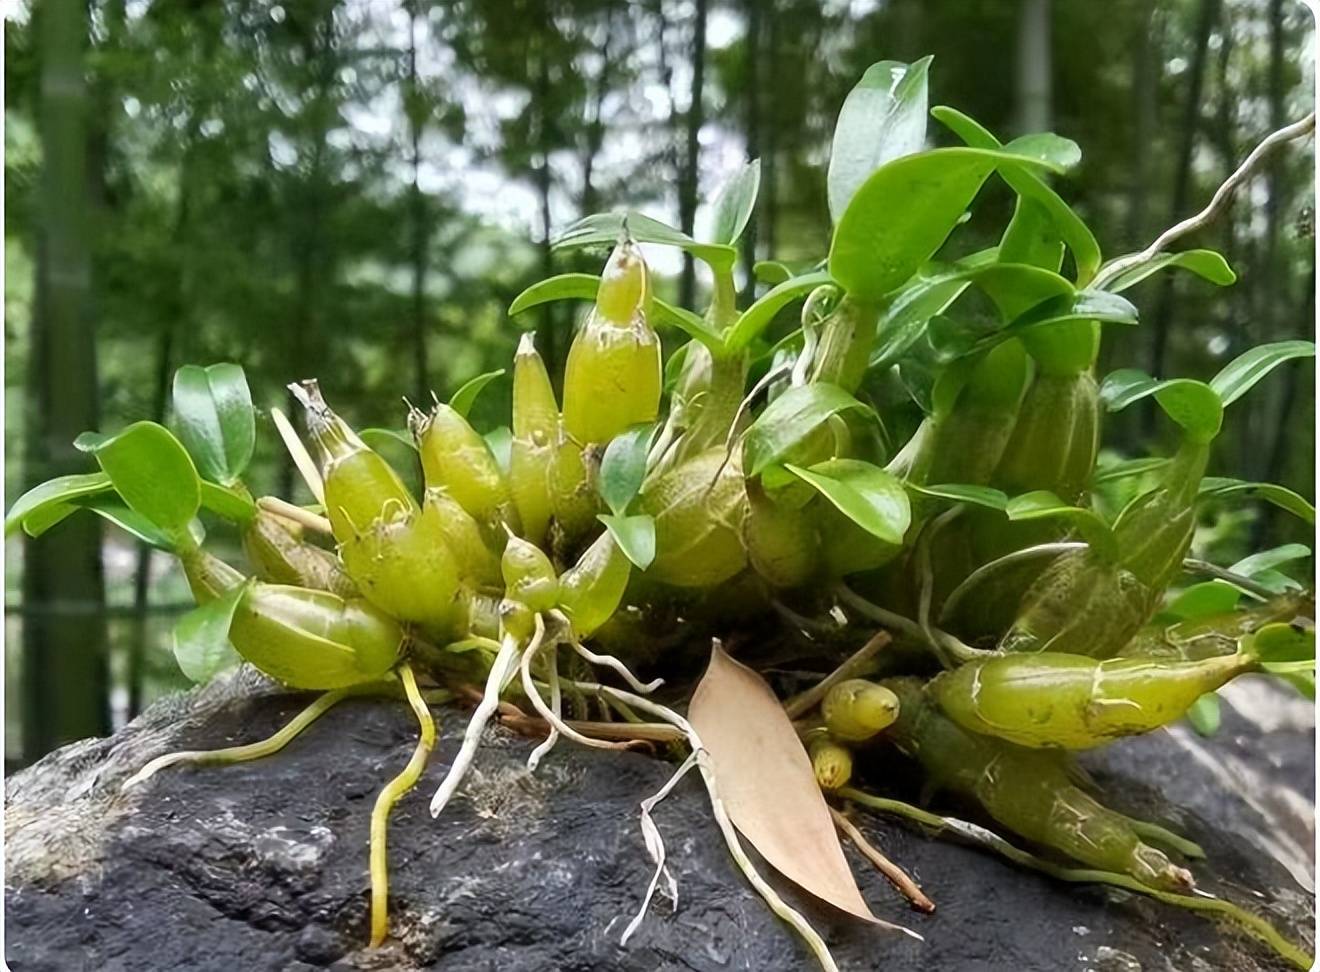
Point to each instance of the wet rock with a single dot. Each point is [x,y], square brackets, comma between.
[264,865]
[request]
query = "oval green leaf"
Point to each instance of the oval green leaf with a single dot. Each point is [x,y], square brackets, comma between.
[1042,504]
[152,472]
[1193,405]
[605,229]
[757,318]
[872,498]
[734,205]
[201,638]
[1204,263]
[635,536]
[215,419]
[231,504]
[47,496]
[623,467]
[789,419]
[466,396]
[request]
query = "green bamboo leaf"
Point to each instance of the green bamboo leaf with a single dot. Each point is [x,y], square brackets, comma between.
[635,536]
[734,205]
[623,467]
[37,502]
[1194,405]
[583,286]
[1204,714]
[904,212]
[882,119]
[1240,374]
[231,504]
[1217,487]
[872,498]
[466,396]
[984,496]
[201,638]
[1204,263]
[151,471]
[1075,233]
[757,318]
[789,419]
[215,419]
[1042,504]
[605,229]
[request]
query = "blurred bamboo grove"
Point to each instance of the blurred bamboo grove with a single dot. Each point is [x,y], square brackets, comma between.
[356,189]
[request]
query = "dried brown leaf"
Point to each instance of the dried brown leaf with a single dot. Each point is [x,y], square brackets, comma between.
[766,782]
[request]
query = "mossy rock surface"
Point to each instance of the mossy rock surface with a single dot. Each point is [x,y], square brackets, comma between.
[264,865]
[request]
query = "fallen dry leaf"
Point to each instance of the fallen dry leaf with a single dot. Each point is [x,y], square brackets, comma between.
[766,783]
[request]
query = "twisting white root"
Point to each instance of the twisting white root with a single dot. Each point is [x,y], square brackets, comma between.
[242,754]
[655,846]
[501,670]
[544,711]
[609,661]
[776,904]
[556,706]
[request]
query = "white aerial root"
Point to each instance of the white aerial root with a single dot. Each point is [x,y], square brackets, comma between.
[502,669]
[556,705]
[609,661]
[301,457]
[552,717]
[655,846]
[772,899]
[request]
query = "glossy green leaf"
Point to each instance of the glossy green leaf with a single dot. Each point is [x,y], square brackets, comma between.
[1128,469]
[984,496]
[231,504]
[882,119]
[466,396]
[1216,487]
[757,318]
[1203,600]
[904,212]
[735,204]
[1240,374]
[635,536]
[1204,263]
[1041,504]
[40,500]
[151,471]
[1282,642]
[771,272]
[1270,560]
[623,467]
[872,498]
[1204,714]
[1194,405]
[1075,233]
[789,419]
[605,229]
[215,419]
[1059,152]
[112,509]
[201,638]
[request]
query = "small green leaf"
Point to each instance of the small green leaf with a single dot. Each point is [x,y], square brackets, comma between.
[1060,153]
[1204,714]
[152,472]
[133,523]
[231,504]
[789,419]
[904,212]
[635,536]
[374,436]
[1216,487]
[1194,405]
[985,496]
[1075,233]
[1042,504]
[604,229]
[399,449]
[565,286]
[466,396]
[1240,374]
[1127,469]
[1203,600]
[1268,560]
[872,498]
[735,204]
[623,467]
[201,637]
[771,272]
[1204,263]
[213,411]
[882,119]
[757,318]
[47,496]
[1281,642]
[583,286]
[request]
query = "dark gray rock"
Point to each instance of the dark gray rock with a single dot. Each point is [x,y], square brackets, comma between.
[264,865]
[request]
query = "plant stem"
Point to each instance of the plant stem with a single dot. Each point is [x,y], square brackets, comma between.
[896,876]
[390,795]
